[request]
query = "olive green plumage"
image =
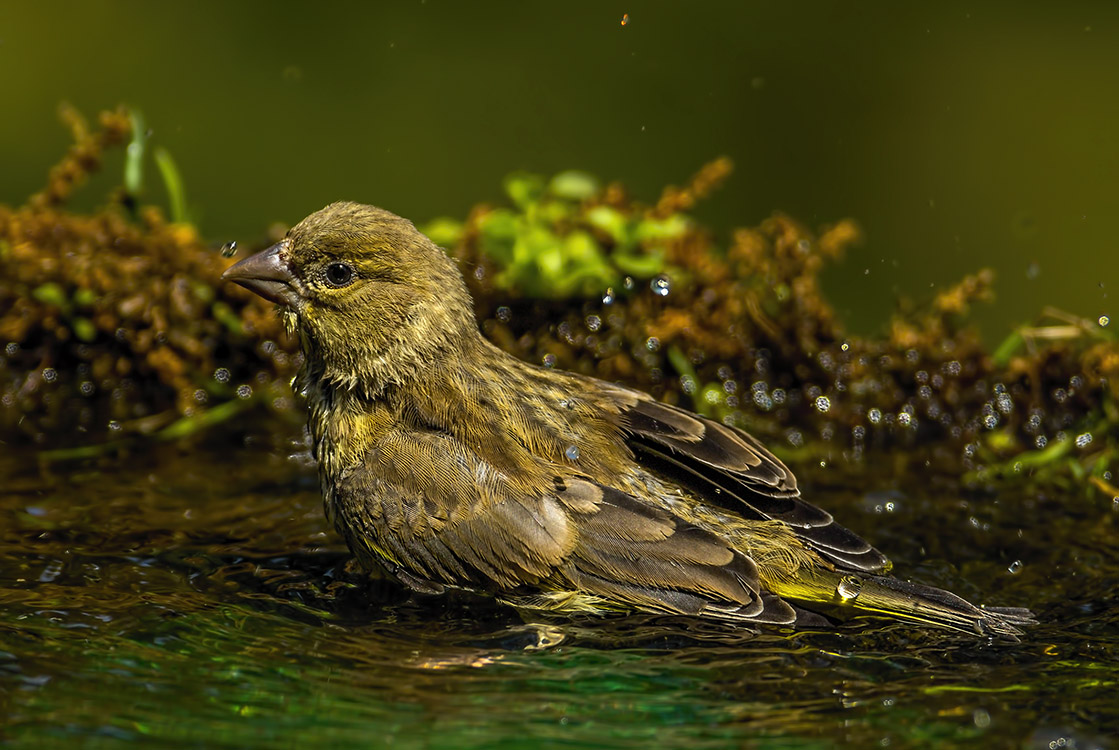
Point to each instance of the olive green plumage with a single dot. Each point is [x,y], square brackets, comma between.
[451,463]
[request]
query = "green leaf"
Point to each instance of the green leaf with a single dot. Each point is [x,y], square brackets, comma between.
[134,155]
[52,294]
[84,329]
[524,188]
[173,181]
[443,231]
[642,266]
[612,222]
[671,227]
[574,185]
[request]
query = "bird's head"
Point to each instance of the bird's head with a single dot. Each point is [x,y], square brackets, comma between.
[374,300]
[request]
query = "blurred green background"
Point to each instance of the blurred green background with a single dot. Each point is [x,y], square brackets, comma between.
[959,135]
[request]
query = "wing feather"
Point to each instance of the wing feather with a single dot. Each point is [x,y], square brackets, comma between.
[732,469]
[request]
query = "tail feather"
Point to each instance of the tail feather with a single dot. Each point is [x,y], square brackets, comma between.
[905,601]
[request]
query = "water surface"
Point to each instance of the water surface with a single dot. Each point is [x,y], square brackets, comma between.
[192,595]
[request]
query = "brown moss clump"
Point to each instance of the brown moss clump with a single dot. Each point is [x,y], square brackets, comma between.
[113,323]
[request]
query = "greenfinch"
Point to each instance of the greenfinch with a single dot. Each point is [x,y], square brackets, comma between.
[452,464]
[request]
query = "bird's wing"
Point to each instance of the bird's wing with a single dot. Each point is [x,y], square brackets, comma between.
[730,468]
[467,528]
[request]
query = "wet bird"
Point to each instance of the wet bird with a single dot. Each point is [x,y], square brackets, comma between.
[452,464]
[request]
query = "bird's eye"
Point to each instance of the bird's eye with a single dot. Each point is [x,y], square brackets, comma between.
[339,274]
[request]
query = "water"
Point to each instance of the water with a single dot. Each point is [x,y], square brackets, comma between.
[193,595]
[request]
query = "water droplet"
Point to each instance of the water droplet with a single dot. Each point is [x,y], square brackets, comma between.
[661,285]
[572,453]
[608,296]
[1015,567]
[12,349]
[244,391]
[221,375]
[86,388]
[593,323]
[1104,320]
[849,588]
[549,360]
[1083,439]
[844,346]
[990,421]
[114,425]
[628,283]
[201,396]
[228,249]
[981,718]
[874,415]
[1041,441]
[823,403]
[652,343]
[625,19]
[50,374]
[504,314]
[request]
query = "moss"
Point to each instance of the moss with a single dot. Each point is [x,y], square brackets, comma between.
[117,322]
[114,324]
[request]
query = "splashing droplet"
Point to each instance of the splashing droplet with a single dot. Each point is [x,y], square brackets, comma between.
[1015,567]
[849,588]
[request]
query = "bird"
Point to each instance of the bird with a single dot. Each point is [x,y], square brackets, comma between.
[451,464]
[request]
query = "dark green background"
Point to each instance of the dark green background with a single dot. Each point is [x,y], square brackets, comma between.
[958,135]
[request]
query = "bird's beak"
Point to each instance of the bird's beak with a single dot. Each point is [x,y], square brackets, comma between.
[268,274]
